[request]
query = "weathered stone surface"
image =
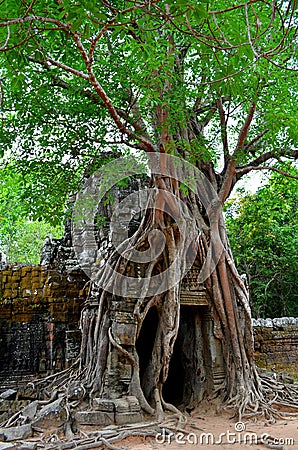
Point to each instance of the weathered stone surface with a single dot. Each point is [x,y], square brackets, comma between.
[4,446]
[31,298]
[276,344]
[26,446]
[54,411]
[125,332]
[94,418]
[9,394]
[30,410]
[76,391]
[275,323]
[28,392]
[121,410]
[15,433]
[133,403]
[125,418]
[103,405]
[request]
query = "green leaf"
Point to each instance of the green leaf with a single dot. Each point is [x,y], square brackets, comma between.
[200,12]
[76,25]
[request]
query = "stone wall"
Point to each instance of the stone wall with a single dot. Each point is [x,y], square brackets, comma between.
[276,344]
[39,312]
[40,309]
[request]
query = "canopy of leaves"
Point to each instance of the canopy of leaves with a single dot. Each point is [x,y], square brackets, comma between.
[21,237]
[263,231]
[82,78]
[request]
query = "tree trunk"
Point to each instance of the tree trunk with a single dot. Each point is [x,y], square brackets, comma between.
[190,224]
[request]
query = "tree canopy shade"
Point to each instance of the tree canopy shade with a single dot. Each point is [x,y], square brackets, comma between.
[263,232]
[79,77]
[209,82]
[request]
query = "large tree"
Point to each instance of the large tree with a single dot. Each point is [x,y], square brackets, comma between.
[209,82]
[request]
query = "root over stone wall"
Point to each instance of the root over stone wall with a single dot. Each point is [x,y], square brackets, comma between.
[39,313]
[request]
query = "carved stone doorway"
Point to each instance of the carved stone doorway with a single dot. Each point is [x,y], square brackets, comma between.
[189,373]
[196,364]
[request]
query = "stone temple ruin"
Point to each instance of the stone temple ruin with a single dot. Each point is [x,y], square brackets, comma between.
[39,313]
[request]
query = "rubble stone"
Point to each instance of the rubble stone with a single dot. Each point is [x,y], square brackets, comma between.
[15,433]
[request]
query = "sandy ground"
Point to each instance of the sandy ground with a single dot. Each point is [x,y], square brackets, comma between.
[217,431]
[205,429]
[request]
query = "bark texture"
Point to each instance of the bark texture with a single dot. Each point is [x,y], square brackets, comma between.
[202,231]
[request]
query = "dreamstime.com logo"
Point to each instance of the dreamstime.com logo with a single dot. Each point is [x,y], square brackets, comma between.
[239,436]
[95,190]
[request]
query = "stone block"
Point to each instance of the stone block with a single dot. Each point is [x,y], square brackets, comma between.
[15,433]
[27,446]
[9,394]
[103,405]
[133,402]
[25,270]
[5,405]
[124,317]
[6,272]
[124,333]
[4,446]
[28,392]
[94,418]
[54,411]
[122,405]
[7,293]
[30,410]
[35,272]
[16,278]
[126,418]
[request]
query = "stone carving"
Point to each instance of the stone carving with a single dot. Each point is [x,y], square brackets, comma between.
[193,293]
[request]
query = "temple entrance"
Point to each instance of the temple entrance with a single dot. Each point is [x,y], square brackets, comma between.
[183,361]
[145,342]
[190,373]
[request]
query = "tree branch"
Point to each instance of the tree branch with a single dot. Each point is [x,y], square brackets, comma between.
[67,68]
[245,128]
[133,121]
[19,20]
[256,139]
[290,153]
[3,47]
[223,128]
[221,11]
[275,169]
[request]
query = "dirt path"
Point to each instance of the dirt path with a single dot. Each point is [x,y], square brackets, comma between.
[218,431]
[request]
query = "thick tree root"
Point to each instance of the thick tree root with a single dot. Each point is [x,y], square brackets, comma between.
[274,400]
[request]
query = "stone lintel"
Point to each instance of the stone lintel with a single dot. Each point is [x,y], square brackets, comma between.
[194,298]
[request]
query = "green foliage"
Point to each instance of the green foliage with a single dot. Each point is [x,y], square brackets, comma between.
[83,81]
[21,237]
[181,64]
[25,239]
[263,231]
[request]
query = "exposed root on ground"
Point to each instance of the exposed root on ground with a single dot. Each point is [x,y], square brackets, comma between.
[273,400]
[279,400]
